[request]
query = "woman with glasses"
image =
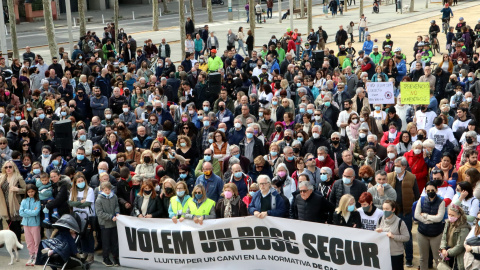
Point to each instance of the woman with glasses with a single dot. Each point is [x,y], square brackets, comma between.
[220,147]
[153,126]
[346,213]
[453,237]
[185,149]
[179,203]
[12,192]
[113,147]
[201,207]
[184,129]
[231,205]
[147,165]
[300,165]
[168,191]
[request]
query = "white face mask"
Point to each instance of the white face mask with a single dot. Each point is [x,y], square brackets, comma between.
[417,151]
[391,155]
[362,119]
[355,121]
[129,148]
[362,135]
[317,117]
[316,135]
[398,170]
[469,99]
[460,62]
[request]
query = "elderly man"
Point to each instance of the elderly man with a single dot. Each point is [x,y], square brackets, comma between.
[102,167]
[224,115]
[266,201]
[241,180]
[82,142]
[142,141]
[359,100]
[316,141]
[347,185]
[235,152]
[96,130]
[213,183]
[53,80]
[116,101]
[312,170]
[326,182]
[311,206]
[208,157]
[251,147]
[380,150]
[382,191]
[323,158]
[129,118]
[39,122]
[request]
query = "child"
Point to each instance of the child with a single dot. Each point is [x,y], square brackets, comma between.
[103,177]
[366,32]
[50,100]
[63,245]
[107,210]
[34,175]
[45,194]
[30,212]
[248,199]
[350,49]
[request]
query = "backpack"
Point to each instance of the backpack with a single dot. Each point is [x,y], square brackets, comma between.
[399,223]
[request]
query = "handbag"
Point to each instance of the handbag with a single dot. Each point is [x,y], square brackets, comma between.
[442,265]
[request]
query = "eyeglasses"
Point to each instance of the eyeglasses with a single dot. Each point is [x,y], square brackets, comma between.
[263,184]
[8,167]
[186,128]
[303,190]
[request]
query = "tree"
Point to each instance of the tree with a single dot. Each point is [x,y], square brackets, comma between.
[302,9]
[209,11]
[192,13]
[156,15]
[115,21]
[426,3]
[49,28]
[13,28]
[251,11]
[81,17]
[412,2]
[181,11]
[165,8]
[309,16]
[361,7]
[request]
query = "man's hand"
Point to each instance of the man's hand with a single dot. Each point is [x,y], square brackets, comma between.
[127,205]
[381,190]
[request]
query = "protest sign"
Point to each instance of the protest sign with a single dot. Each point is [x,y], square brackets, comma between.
[380,93]
[249,243]
[415,93]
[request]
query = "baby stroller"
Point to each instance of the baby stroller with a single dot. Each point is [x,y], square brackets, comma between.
[78,224]
[376,7]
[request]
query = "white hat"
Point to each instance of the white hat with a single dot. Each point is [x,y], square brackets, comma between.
[264,67]
[375,46]
[397,49]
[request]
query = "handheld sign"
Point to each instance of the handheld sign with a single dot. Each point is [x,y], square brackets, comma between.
[415,93]
[380,93]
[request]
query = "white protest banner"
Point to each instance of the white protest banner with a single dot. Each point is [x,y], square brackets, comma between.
[249,243]
[380,93]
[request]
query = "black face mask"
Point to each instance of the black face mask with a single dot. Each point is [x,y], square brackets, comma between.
[156,149]
[80,94]
[420,136]
[469,140]
[14,128]
[24,134]
[121,127]
[221,108]
[168,190]
[121,163]
[278,129]
[439,183]
[288,138]
[43,136]
[49,111]
[335,142]
[147,159]
[147,192]
[183,104]
[296,150]
[158,109]
[431,195]
[97,153]
[367,179]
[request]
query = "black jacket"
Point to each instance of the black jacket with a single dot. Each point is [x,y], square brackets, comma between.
[315,209]
[258,148]
[356,189]
[354,219]
[341,37]
[85,167]
[123,195]
[154,207]
[441,83]
[312,145]
[60,194]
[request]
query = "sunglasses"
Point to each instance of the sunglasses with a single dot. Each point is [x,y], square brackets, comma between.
[2,143]
[303,191]
[8,167]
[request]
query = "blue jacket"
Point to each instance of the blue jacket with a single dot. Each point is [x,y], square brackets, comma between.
[402,71]
[98,106]
[146,143]
[235,137]
[30,215]
[228,114]
[367,47]
[213,185]
[139,61]
[274,66]
[62,167]
[434,159]
[164,117]
[446,12]
[278,205]
[104,86]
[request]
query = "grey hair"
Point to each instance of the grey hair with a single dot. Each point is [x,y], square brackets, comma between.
[103,162]
[295,143]
[233,160]
[417,143]
[233,146]
[302,90]
[254,96]
[471,134]
[287,148]
[317,126]
[429,143]
[327,170]
[306,184]
[288,130]
[373,136]
[302,105]
[336,133]
[403,161]
[359,89]
[390,146]
[212,115]
[322,148]
[380,172]
[264,176]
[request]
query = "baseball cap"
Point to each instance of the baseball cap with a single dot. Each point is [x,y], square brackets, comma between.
[388,46]
[397,49]
[264,67]
[375,46]
[213,50]
[460,19]
[360,52]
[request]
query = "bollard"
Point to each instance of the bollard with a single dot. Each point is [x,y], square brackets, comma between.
[133,15]
[74,22]
[160,12]
[103,20]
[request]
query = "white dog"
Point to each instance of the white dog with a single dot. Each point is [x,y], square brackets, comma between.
[9,238]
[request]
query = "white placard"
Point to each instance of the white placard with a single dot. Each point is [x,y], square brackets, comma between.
[380,93]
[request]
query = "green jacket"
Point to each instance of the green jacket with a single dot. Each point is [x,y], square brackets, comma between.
[214,63]
[375,58]
[281,55]
[458,236]
[105,51]
[346,63]
[216,168]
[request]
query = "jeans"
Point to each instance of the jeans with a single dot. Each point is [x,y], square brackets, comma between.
[297,52]
[197,54]
[269,11]
[241,46]
[259,17]
[361,34]
[248,16]
[409,244]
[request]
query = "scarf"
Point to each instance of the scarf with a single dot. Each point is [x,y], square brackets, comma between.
[13,204]
[228,208]
[146,200]
[354,129]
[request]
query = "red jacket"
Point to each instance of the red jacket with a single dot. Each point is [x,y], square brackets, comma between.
[459,157]
[291,46]
[328,162]
[418,166]
[384,142]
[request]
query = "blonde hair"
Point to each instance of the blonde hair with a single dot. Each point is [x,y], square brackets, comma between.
[185,186]
[202,189]
[186,139]
[74,193]
[232,186]
[343,204]
[146,152]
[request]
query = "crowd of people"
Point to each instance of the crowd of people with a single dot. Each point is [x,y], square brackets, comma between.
[282,134]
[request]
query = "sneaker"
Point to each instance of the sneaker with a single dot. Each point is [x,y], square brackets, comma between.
[55,215]
[409,264]
[45,250]
[47,221]
[29,262]
[90,258]
[107,262]
[116,262]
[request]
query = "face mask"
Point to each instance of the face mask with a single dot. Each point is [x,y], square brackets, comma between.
[393,130]
[469,140]
[55,162]
[125,110]
[346,180]
[238,174]
[198,196]
[288,138]
[80,157]
[18,118]
[181,193]
[147,159]
[398,170]
[129,148]
[366,208]
[207,158]
[321,158]
[391,155]
[184,119]
[459,93]
[290,158]
[83,138]
[147,192]
[228,194]
[420,136]
[42,116]
[387,214]
[121,163]
[351,208]
[460,62]
[221,108]
[469,99]
[260,114]
[81,185]
[300,139]
[273,153]
[222,130]
[417,151]
[377,108]
[299,84]
[253,192]
[2,115]
[238,125]
[200,117]
[362,135]
[205,109]
[141,104]
[249,135]
[156,149]
[317,117]
[274,103]
[355,121]
[327,103]
[206,123]
[316,135]
[108,116]
[36,171]
[282,174]
[302,110]
[168,190]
